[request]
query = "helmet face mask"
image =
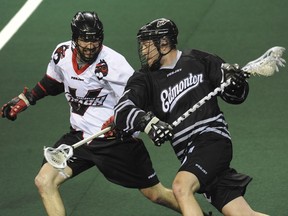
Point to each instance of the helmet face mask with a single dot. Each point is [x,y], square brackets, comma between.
[87,35]
[157,31]
[149,54]
[87,50]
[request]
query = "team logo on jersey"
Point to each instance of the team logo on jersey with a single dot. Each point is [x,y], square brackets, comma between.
[81,104]
[101,69]
[59,53]
[172,94]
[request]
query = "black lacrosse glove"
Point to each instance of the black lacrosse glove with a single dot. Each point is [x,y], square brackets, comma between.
[157,130]
[17,105]
[237,76]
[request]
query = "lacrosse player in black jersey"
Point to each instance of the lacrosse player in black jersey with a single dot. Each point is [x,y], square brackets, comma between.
[170,82]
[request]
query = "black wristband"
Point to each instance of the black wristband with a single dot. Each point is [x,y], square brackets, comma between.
[145,119]
[31,98]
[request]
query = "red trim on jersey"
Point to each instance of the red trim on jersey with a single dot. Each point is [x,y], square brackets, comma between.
[34,93]
[42,87]
[75,64]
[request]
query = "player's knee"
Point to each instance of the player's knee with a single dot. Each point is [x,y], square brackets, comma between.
[181,190]
[181,187]
[44,182]
[178,189]
[41,182]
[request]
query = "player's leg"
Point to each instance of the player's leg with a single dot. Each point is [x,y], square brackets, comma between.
[209,155]
[184,186]
[239,207]
[155,191]
[132,168]
[164,196]
[48,181]
[227,194]
[161,195]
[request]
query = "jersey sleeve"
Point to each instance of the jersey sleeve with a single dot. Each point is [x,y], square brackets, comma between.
[47,86]
[216,75]
[212,65]
[51,83]
[133,103]
[53,70]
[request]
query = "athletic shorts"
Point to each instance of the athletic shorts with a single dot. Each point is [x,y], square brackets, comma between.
[125,161]
[208,158]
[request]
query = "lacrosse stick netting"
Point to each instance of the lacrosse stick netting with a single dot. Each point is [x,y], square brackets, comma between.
[58,157]
[265,65]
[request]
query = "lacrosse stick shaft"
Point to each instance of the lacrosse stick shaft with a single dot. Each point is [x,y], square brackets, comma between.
[200,103]
[76,145]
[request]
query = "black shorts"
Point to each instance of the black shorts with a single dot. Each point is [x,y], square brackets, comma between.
[209,159]
[125,162]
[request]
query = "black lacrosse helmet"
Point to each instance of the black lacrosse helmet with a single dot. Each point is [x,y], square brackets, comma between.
[87,26]
[155,31]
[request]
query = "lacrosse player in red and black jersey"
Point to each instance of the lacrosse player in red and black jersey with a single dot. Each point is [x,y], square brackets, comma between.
[92,76]
[170,82]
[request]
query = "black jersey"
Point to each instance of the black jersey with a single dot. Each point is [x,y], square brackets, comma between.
[170,92]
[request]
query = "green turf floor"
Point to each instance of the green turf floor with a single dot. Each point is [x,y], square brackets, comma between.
[238,31]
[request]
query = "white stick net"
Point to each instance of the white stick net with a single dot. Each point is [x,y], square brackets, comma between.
[58,157]
[268,63]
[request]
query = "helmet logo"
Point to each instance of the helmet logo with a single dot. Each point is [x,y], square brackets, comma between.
[60,53]
[161,22]
[101,69]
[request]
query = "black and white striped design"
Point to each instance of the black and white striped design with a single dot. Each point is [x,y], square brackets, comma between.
[132,115]
[182,139]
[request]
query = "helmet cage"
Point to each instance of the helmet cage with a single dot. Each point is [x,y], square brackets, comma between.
[155,31]
[144,57]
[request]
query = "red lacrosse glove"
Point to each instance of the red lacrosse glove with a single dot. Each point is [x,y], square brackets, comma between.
[17,105]
[109,123]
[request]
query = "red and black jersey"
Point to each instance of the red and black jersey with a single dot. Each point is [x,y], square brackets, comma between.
[171,91]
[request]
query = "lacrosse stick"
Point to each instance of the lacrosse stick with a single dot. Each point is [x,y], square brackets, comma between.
[58,157]
[265,65]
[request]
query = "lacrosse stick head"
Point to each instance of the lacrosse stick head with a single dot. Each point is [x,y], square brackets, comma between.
[57,157]
[268,63]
